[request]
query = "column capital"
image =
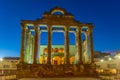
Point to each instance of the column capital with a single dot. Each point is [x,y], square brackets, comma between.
[23,25]
[49,27]
[66,28]
[35,25]
[91,28]
[79,27]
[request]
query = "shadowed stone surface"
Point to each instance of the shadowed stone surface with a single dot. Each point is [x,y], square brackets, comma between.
[50,71]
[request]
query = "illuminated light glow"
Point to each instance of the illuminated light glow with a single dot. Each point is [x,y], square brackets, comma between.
[72,59]
[1,59]
[101,60]
[110,59]
[118,57]
[114,71]
[56,60]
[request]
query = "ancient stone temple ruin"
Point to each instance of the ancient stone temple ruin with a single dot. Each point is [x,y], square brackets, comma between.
[57,19]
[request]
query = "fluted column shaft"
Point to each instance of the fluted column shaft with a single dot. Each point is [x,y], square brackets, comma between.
[39,46]
[30,48]
[33,40]
[49,45]
[86,48]
[36,36]
[91,45]
[67,45]
[26,56]
[79,45]
[22,43]
[76,47]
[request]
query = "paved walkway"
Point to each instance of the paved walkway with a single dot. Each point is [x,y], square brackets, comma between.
[59,79]
[8,77]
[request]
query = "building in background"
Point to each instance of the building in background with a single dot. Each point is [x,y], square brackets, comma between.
[8,65]
[57,54]
[108,63]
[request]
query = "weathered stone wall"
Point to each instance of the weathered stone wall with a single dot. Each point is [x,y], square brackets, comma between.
[44,70]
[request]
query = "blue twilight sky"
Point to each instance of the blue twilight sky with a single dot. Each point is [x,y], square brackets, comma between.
[105,14]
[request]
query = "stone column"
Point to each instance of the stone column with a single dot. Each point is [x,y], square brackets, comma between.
[30,48]
[86,48]
[76,47]
[39,44]
[67,61]
[36,36]
[26,55]
[91,44]
[22,43]
[79,45]
[49,44]
[33,40]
